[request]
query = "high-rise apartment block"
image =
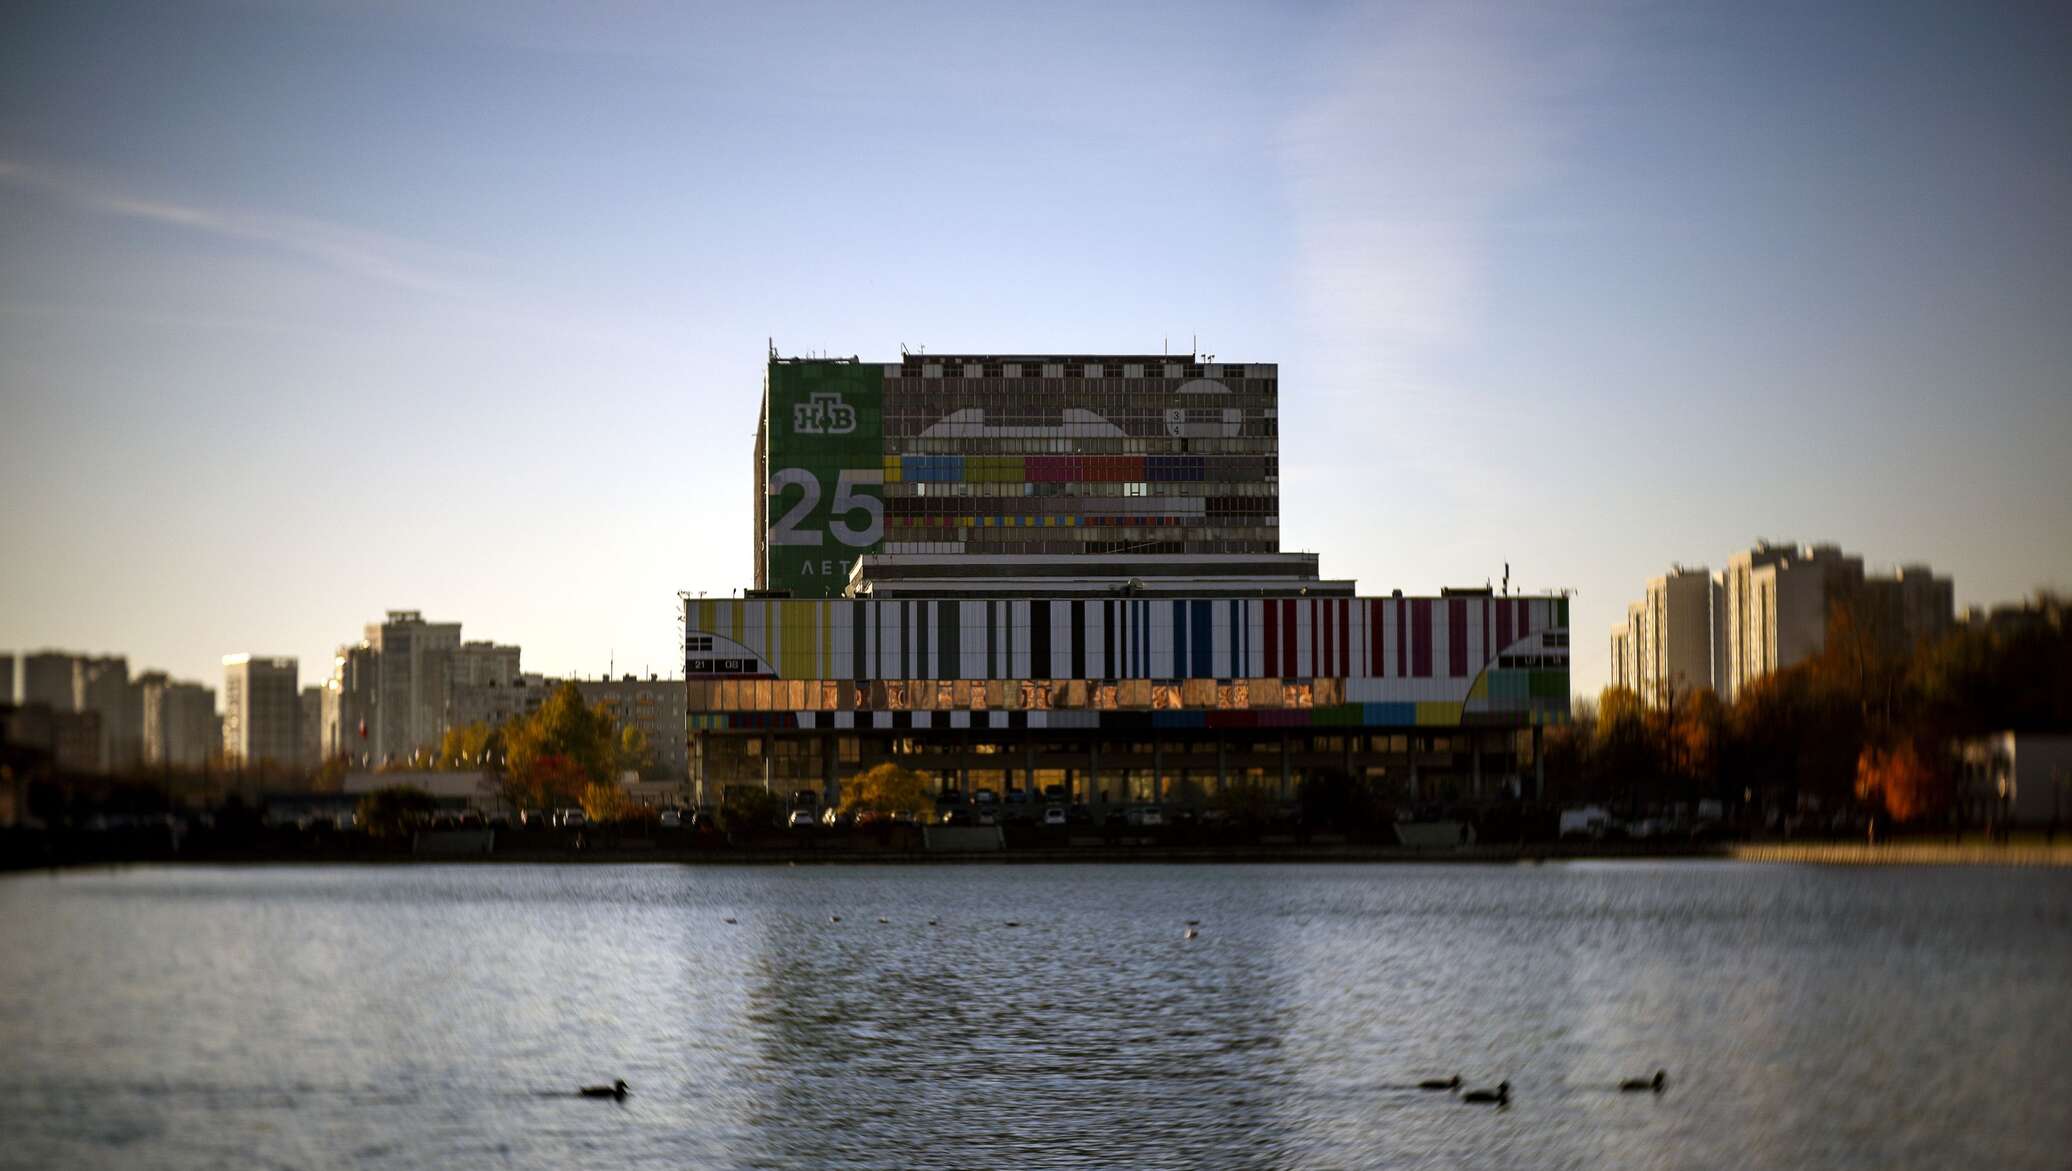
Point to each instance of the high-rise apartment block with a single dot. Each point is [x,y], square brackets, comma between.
[1051,455]
[262,712]
[414,667]
[67,682]
[1667,645]
[177,721]
[47,679]
[1768,610]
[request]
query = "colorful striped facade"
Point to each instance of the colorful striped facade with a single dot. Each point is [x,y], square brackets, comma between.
[1126,662]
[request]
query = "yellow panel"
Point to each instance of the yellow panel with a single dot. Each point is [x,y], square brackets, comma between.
[1447,714]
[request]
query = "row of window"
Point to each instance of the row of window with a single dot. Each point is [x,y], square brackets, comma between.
[958,489]
[1035,695]
[1249,444]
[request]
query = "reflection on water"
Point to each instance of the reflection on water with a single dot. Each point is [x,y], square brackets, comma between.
[443,1016]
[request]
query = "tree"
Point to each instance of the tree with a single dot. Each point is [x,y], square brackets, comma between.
[634,753]
[887,788]
[552,754]
[469,747]
[747,808]
[605,801]
[396,809]
[1901,780]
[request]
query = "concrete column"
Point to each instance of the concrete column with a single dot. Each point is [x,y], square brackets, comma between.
[1284,767]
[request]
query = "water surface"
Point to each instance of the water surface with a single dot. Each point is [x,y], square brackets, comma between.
[442,1016]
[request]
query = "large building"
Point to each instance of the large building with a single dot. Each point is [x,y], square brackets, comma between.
[1056,455]
[1780,598]
[1063,574]
[1667,646]
[262,712]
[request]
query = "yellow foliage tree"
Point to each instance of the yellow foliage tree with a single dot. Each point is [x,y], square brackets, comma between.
[605,801]
[887,788]
[1899,779]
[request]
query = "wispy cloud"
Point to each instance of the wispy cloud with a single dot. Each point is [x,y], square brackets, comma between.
[356,252]
[1428,123]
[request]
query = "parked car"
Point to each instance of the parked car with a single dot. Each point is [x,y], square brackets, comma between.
[958,816]
[535,819]
[570,818]
[670,819]
[1054,815]
[986,817]
[1017,796]
[801,819]
[1145,816]
[985,797]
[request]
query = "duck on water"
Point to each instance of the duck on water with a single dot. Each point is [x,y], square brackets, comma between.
[615,1090]
[1501,1095]
[1643,1085]
[1440,1083]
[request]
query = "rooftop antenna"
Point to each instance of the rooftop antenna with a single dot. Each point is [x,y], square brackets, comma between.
[1507,579]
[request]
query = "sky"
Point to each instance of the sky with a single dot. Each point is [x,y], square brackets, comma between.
[309,311]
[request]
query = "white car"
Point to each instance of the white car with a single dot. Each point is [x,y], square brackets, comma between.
[802,819]
[670,819]
[569,818]
[1054,815]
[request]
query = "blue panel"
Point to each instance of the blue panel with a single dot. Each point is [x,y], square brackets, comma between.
[1204,639]
[1391,714]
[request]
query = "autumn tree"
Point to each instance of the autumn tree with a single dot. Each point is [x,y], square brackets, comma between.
[1901,780]
[605,801]
[887,788]
[554,753]
[471,746]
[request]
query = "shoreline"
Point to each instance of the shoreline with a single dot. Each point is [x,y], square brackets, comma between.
[640,851]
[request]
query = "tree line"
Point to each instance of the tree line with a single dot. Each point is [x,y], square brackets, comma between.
[1864,726]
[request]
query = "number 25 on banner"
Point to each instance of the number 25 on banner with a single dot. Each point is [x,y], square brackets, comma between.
[848,500]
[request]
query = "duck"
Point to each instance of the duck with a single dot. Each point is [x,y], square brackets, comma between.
[1501,1095]
[883,919]
[1436,1083]
[730,921]
[1192,933]
[932,922]
[1014,923]
[1194,922]
[834,918]
[1644,1085]
[615,1090]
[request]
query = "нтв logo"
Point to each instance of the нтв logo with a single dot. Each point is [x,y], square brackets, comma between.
[823,414]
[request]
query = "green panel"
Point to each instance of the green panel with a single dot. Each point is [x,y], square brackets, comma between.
[1549,684]
[826,467]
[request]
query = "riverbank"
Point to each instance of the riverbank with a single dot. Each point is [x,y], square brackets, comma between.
[1905,853]
[56,851]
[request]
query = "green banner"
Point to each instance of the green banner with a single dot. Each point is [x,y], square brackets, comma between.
[825,502]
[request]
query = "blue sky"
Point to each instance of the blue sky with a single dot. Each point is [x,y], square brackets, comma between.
[309,310]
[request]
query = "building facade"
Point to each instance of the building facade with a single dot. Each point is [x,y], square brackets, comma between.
[1054,455]
[178,721]
[1779,599]
[1062,574]
[1666,646]
[262,711]
[413,666]
[656,707]
[7,680]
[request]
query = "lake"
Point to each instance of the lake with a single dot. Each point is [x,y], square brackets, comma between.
[443,1016]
